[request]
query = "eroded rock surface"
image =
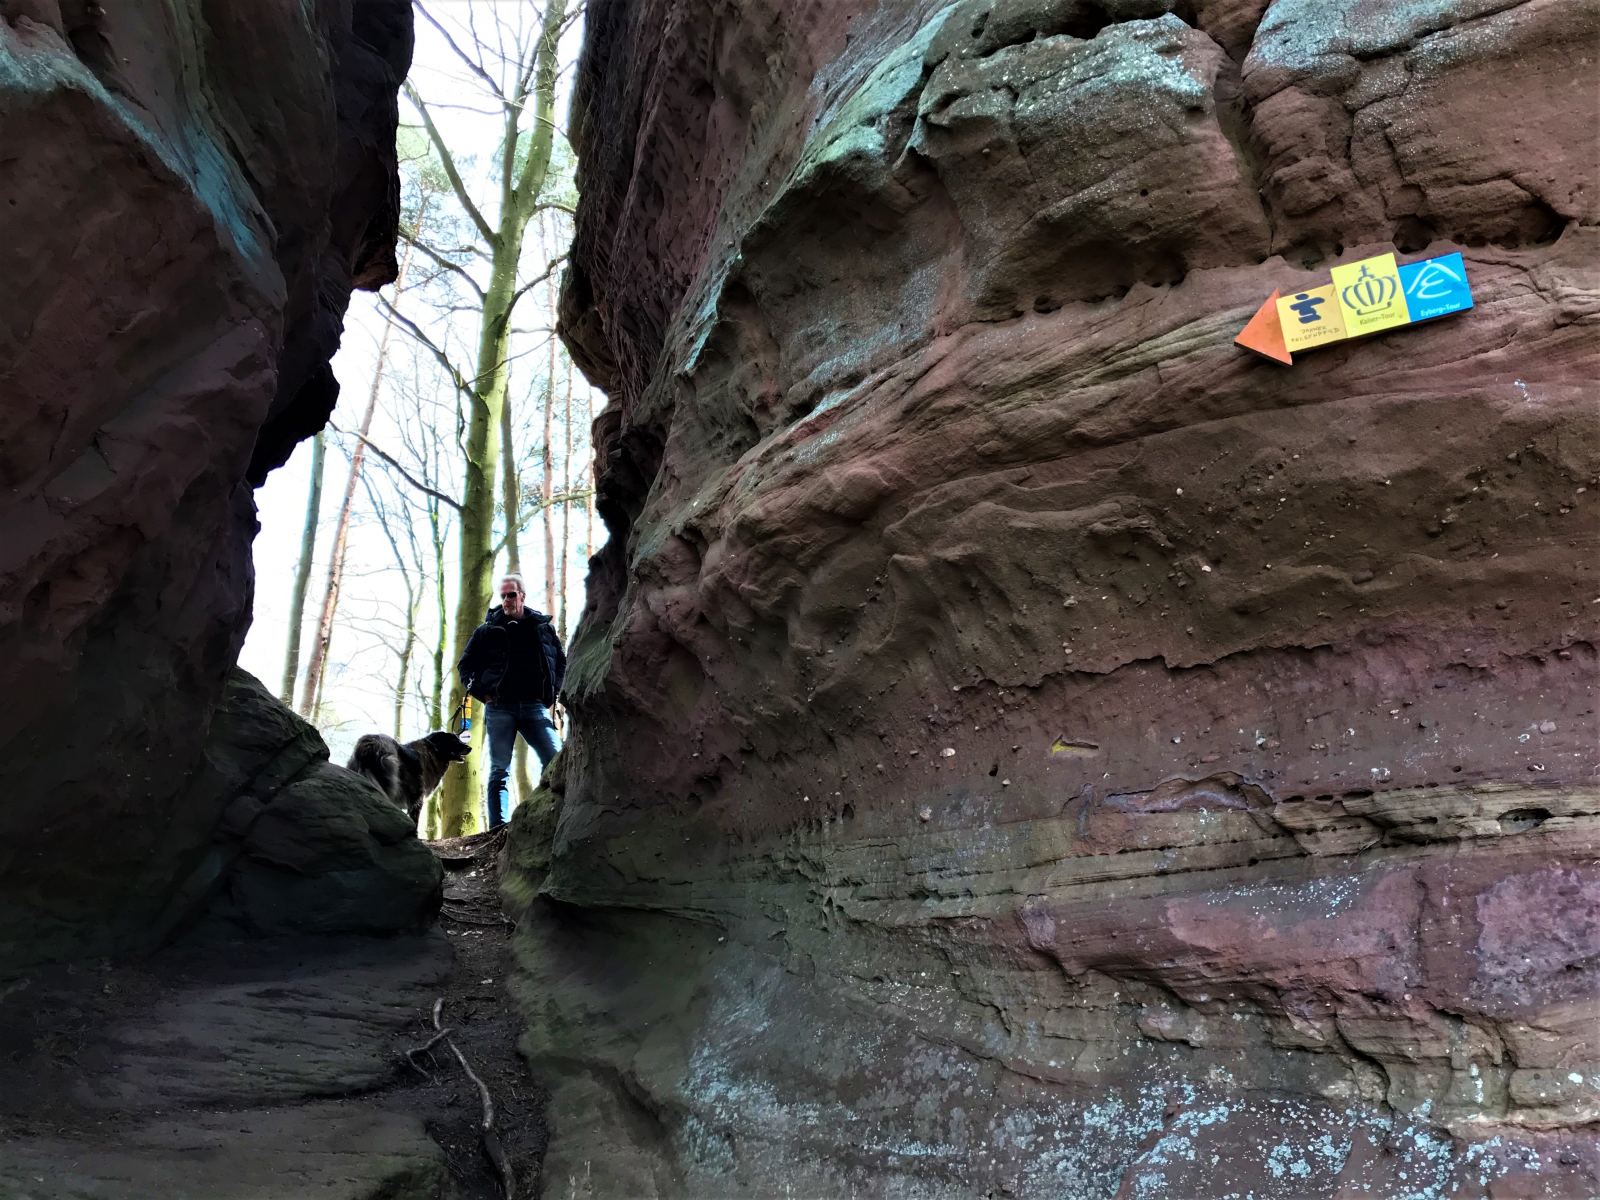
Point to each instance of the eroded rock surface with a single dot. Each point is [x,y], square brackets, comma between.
[188,192]
[225,1072]
[1025,745]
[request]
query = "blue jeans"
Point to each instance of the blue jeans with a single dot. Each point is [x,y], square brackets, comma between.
[504,721]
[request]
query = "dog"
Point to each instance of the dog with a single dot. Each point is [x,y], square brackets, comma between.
[407,772]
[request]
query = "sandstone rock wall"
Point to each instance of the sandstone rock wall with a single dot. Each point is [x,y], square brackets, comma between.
[188,192]
[1024,745]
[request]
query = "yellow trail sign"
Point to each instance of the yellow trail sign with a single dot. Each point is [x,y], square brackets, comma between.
[1369,292]
[1311,318]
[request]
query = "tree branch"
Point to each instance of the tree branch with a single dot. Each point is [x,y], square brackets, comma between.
[416,242]
[381,510]
[404,474]
[447,160]
[472,64]
[499,32]
[550,269]
[480,112]
[413,330]
[528,514]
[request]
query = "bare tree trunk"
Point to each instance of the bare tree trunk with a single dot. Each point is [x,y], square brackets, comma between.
[431,816]
[317,664]
[511,513]
[314,715]
[407,650]
[566,505]
[547,483]
[482,457]
[408,644]
[310,697]
[510,487]
[441,615]
[302,573]
[534,95]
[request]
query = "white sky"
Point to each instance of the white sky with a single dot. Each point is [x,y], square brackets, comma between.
[358,692]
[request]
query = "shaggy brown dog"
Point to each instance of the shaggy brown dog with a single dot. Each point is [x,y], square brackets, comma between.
[407,772]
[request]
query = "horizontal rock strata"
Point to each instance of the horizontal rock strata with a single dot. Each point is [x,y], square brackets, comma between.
[1024,744]
[237,1071]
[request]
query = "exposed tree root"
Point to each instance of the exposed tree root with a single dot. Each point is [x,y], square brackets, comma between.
[463,918]
[413,1055]
[487,1137]
[491,1141]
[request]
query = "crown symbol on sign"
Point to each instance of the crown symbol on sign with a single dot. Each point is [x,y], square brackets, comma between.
[1369,292]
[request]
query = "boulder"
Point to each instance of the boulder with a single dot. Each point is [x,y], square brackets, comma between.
[305,846]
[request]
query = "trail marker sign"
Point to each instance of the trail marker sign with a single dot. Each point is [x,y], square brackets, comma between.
[1311,318]
[1369,293]
[1365,297]
[1264,333]
[1436,287]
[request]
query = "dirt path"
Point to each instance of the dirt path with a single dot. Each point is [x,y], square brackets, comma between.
[478,1008]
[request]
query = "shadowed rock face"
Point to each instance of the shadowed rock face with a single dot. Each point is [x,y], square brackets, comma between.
[1024,744]
[188,192]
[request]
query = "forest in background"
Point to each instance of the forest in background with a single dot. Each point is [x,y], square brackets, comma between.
[459,449]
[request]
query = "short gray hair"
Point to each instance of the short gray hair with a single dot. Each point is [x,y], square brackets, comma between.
[513,577]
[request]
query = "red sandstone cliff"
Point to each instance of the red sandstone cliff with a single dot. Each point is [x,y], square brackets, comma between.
[188,192]
[1025,745]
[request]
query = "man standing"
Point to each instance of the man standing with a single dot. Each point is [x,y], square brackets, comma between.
[515,665]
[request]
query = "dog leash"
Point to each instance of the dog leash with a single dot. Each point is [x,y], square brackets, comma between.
[461,719]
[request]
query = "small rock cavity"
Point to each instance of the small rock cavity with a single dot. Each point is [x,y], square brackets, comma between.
[1520,820]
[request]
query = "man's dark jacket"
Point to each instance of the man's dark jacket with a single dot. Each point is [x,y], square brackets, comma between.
[513,660]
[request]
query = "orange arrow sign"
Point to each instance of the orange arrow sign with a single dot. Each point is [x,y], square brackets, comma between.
[1264,335]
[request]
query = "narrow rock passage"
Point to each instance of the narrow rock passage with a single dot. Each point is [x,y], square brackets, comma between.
[480,1012]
